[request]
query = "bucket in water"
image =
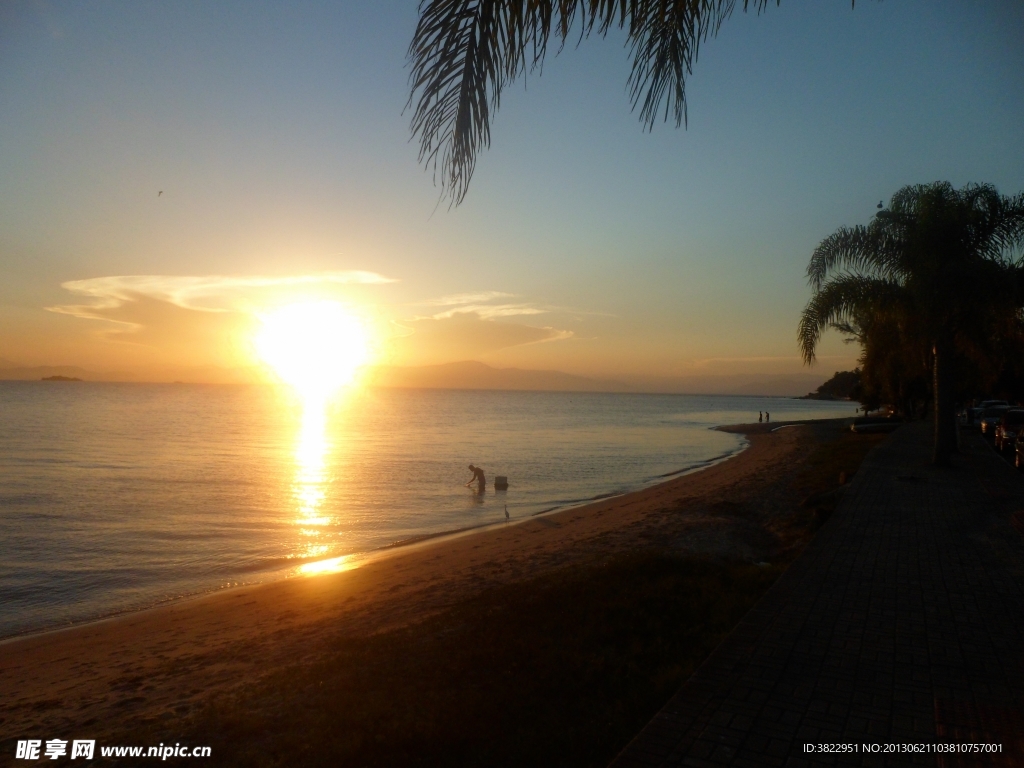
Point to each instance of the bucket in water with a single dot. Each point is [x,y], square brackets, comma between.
[500,483]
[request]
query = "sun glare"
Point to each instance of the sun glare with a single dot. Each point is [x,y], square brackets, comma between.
[333,565]
[314,346]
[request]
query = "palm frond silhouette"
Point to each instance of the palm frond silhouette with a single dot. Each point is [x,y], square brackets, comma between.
[465,52]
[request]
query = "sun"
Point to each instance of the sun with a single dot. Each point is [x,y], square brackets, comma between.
[316,346]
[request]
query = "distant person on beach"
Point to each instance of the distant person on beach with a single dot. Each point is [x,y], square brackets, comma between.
[760,417]
[478,477]
[767,416]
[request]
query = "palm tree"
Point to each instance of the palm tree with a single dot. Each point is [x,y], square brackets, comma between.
[894,364]
[944,264]
[464,52]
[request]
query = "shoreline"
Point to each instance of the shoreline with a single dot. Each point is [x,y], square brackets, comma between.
[386,550]
[361,558]
[165,659]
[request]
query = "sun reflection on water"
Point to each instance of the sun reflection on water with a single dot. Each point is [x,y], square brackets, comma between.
[333,565]
[315,461]
[317,347]
[310,486]
[312,480]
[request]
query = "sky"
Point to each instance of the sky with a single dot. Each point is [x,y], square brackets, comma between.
[171,172]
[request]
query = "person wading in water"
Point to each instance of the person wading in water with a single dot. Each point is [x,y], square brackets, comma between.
[478,477]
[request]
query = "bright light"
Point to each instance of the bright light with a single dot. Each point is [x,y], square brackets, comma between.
[315,346]
[334,565]
[310,486]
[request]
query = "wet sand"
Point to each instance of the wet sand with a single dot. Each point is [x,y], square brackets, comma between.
[102,679]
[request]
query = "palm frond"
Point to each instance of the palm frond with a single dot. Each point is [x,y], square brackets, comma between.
[464,52]
[839,301]
[999,230]
[461,58]
[665,38]
[874,250]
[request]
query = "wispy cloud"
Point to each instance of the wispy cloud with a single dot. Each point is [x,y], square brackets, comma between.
[483,304]
[206,293]
[468,298]
[466,325]
[465,336]
[491,311]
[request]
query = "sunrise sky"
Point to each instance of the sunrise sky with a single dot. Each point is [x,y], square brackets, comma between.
[276,134]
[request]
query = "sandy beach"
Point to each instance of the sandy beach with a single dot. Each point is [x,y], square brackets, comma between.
[102,679]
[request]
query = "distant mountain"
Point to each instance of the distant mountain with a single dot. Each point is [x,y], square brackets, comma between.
[199,375]
[468,374]
[753,384]
[473,375]
[11,372]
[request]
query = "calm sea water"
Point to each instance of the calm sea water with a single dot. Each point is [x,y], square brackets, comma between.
[119,496]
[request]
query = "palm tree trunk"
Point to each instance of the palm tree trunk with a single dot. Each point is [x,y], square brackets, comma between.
[945,407]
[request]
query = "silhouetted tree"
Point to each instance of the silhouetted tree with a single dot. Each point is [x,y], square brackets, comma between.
[939,269]
[894,359]
[464,52]
[842,385]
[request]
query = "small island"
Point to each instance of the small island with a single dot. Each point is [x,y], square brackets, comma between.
[60,378]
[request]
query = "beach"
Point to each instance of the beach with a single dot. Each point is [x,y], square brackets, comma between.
[154,668]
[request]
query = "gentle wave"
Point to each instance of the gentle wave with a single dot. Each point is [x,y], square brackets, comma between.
[121,496]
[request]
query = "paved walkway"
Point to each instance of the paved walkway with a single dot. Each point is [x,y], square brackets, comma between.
[902,623]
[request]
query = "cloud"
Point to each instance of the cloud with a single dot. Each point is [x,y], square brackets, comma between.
[468,298]
[490,311]
[209,293]
[177,331]
[211,317]
[191,320]
[469,326]
[482,305]
[465,335]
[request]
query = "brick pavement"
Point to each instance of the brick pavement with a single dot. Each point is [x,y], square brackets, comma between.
[902,622]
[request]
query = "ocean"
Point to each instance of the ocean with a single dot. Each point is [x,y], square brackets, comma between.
[117,497]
